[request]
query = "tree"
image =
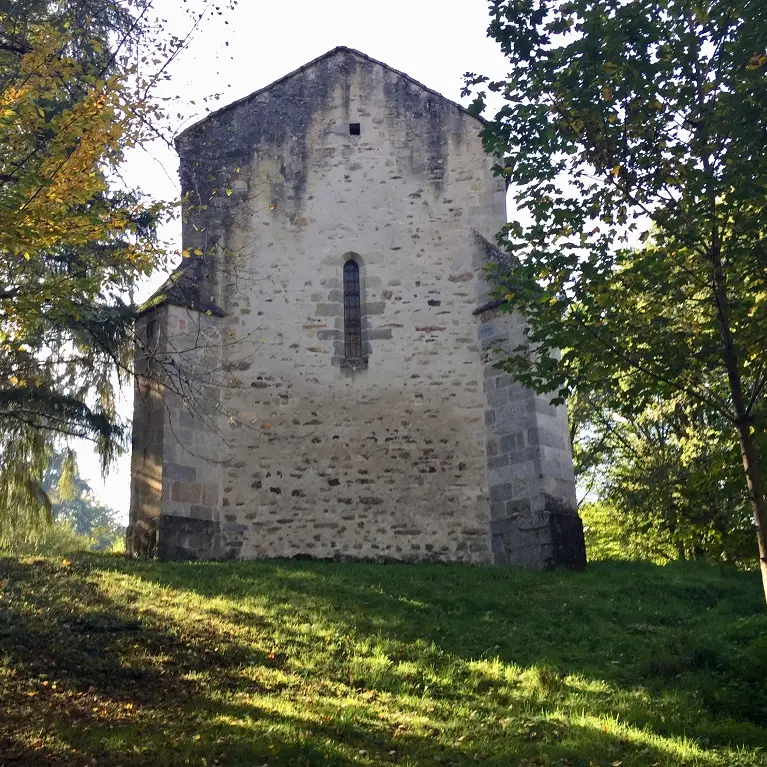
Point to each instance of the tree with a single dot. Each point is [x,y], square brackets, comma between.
[634,133]
[76,91]
[79,519]
[668,481]
[75,505]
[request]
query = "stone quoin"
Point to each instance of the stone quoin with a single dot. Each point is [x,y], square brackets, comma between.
[317,379]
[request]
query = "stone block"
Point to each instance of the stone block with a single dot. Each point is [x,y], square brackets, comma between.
[210,495]
[551,438]
[186,492]
[501,492]
[544,407]
[501,526]
[491,343]
[487,330]
[186,538]
[497,398]
[379,334]
[176,471]
[498,462]
[330,335]
[498,510]
[518,507]
[519,392]
[374,307]
[513,417]
[329,310]
[198,511]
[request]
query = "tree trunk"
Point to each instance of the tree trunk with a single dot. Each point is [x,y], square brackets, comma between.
[755,494]
[742,418]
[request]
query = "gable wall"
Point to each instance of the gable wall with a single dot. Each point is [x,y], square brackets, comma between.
[388,462]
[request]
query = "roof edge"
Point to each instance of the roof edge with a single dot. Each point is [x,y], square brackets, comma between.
[150,305]
[304,67]
[181,288]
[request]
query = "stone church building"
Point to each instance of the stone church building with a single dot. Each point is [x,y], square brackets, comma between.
[317,377]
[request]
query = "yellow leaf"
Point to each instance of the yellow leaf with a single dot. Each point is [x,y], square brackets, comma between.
[616,170]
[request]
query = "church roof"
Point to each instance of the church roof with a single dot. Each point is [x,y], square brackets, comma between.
[182,288]
[335,51]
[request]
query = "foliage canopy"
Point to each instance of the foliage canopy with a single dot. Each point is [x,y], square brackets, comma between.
[633,133]
[70,247]
[77,83]
[668,479]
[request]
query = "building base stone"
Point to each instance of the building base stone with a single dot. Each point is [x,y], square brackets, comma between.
[183,538]
[540,540]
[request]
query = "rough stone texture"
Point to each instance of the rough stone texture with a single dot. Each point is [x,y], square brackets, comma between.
[147,443]
[187,538]
[530,472]
[281,446]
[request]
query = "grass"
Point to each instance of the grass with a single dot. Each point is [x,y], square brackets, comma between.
[112,662]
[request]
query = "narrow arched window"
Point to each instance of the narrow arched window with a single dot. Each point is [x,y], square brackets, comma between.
[352,311]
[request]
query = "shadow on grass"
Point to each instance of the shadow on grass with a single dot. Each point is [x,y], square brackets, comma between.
[314,663]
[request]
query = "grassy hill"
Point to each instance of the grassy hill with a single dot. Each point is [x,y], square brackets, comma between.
[110,662]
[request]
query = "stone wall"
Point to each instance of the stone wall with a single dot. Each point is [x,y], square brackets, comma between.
[387,461]
[147,439]
[531,486]
[178,448]
[421,451]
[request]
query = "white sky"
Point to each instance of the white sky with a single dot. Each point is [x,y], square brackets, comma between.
[434,41]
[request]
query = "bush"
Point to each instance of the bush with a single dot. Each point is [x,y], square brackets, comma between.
[58,539]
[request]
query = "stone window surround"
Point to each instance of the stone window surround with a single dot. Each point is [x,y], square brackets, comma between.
[352,310]
[355,364]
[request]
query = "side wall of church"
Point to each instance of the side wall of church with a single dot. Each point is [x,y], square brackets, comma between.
[387,460]
[533,509]
[147,440]
[177,447]
[193,447]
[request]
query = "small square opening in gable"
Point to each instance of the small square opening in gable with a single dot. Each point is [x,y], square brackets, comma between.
[354,129]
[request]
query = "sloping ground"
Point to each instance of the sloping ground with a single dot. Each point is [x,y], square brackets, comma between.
[111,662]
